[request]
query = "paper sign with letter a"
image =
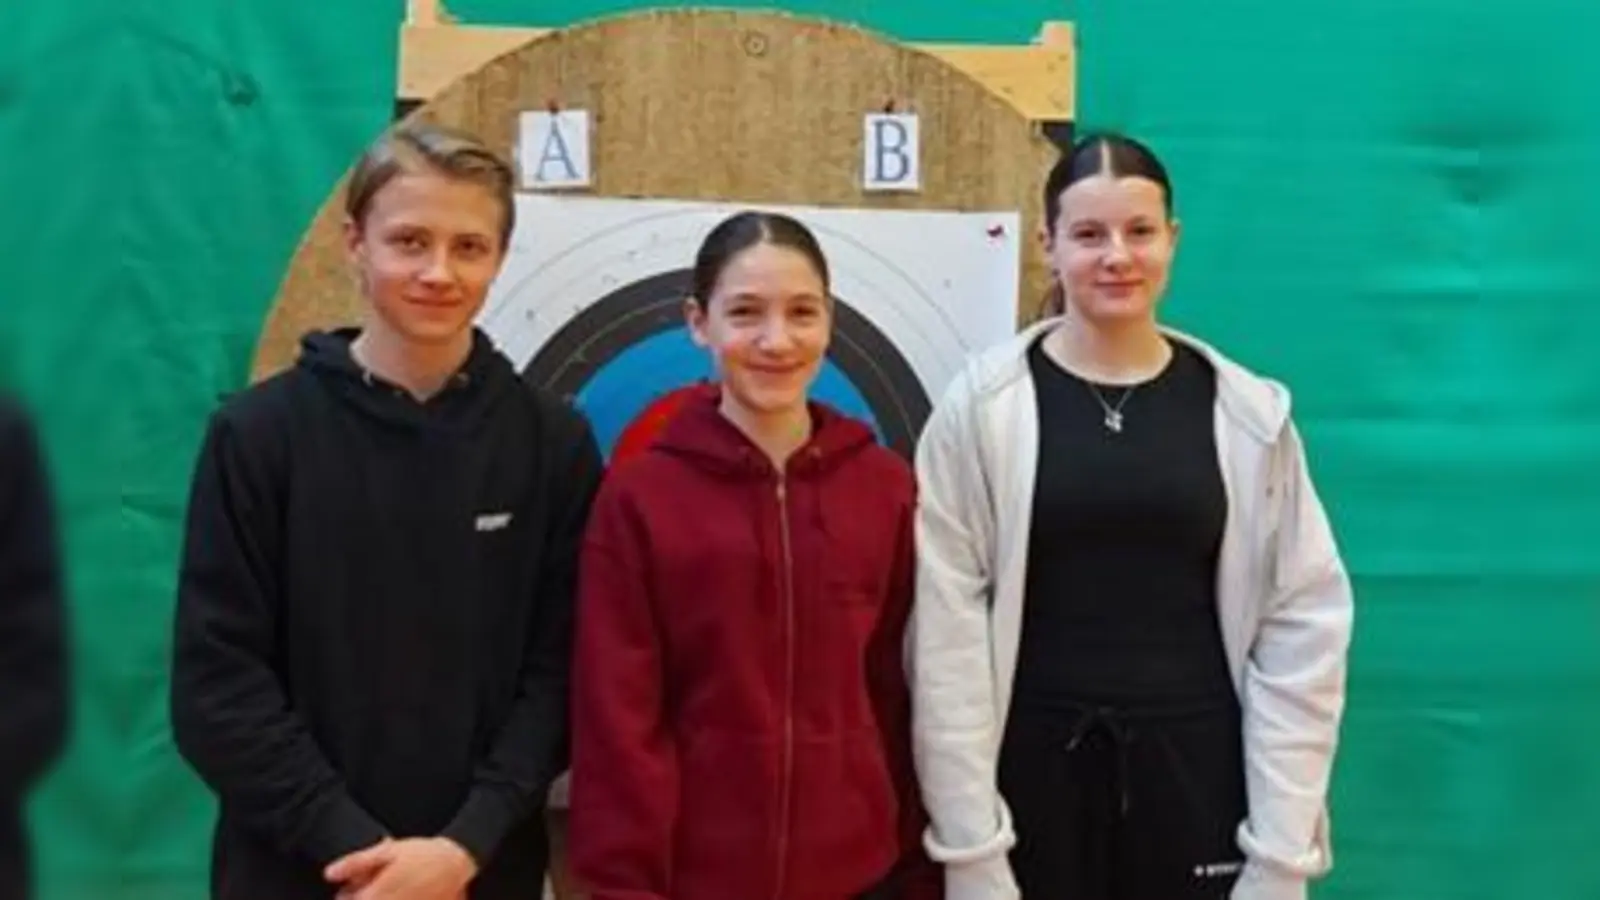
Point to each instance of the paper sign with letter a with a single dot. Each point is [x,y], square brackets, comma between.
[893,153]
[553,149]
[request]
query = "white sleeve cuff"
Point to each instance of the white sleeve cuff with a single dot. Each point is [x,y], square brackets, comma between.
[980,871]
[989,878]
[997,843]
[1260,881]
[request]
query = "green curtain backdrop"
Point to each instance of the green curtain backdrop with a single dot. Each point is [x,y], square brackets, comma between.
[1387,205]
[1391,206]
[157,163]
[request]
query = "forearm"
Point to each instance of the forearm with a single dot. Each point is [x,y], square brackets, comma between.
[625,775]
[233,725]
[511,782]
[955,722]
[970,830]
[1294,697]
[625,781]
[231,718]
[1293,693]
[954,740]
[888,680]
[892,708]
[532,747]
[624,811]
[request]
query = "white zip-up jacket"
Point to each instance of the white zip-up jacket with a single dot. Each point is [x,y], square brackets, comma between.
[1284,602]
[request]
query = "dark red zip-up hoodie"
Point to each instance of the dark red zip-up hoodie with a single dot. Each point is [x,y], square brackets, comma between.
[740,708]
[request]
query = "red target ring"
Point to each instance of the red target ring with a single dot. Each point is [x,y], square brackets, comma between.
[644,427]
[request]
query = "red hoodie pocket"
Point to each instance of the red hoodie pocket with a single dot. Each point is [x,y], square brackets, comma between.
[728,812]
[845,812]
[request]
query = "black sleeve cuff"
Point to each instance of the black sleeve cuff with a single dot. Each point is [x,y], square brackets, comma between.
[342,828]
[481,824]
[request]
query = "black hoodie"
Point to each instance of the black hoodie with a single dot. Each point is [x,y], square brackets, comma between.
[33,676]
[373,618]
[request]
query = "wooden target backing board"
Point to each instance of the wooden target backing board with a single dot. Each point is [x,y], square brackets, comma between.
[732,107]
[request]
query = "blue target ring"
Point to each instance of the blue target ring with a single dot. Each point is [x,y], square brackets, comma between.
[618,393]
[631,347]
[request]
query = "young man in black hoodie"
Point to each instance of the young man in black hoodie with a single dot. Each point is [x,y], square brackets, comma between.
[374,611]
[33,676]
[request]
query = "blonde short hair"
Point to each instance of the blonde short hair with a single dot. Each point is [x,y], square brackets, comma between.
[427,147]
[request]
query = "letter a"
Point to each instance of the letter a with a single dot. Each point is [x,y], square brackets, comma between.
[553,149]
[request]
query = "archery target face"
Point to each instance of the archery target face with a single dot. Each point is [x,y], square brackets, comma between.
[590,305]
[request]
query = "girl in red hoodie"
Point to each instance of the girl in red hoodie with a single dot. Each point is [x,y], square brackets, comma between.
[740,708]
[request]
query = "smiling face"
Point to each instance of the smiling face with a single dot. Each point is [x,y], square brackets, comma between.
[426,252]
[767,322]
[429,213]
[1112,247]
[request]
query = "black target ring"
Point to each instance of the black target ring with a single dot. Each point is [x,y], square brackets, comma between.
[649,306]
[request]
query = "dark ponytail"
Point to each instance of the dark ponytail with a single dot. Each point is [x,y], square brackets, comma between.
[1055,300]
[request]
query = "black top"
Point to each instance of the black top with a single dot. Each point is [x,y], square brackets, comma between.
[1122,564]
[373,617]
[33,665]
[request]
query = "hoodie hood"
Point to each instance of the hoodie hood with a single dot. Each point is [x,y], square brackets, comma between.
[702,435]
[462,405]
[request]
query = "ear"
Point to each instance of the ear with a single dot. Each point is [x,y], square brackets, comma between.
[694,315]
[352,239]
[1047,238]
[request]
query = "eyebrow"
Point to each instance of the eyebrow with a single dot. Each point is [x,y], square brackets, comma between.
[745,297]
[1091,220]
[403,226]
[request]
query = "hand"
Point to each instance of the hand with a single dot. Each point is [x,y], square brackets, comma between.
[356,870]
[409,869]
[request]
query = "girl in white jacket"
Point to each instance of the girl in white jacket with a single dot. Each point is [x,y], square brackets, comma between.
[1132,620]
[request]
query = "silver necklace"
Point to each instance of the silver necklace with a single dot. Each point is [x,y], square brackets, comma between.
[1113,417]
[1113,420]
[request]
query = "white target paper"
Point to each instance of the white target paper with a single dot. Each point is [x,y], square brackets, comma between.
[939,285]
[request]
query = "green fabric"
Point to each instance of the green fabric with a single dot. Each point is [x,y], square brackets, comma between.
[1387,206]
[1390,207]
[999,21]
[158,164]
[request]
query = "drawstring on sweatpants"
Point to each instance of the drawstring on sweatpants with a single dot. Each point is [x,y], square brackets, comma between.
[1119,726]
[1122,734]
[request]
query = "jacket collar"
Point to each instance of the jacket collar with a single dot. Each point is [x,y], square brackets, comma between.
[1258,404]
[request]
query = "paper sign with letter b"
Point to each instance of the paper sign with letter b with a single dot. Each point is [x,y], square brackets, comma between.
[553,149]
[892,153]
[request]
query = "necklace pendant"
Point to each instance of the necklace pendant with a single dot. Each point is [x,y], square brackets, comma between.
[1114,421]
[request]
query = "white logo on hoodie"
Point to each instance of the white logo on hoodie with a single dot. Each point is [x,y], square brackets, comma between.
[493,521]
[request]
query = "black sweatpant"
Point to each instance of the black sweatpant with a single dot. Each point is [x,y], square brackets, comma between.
[1115,804]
